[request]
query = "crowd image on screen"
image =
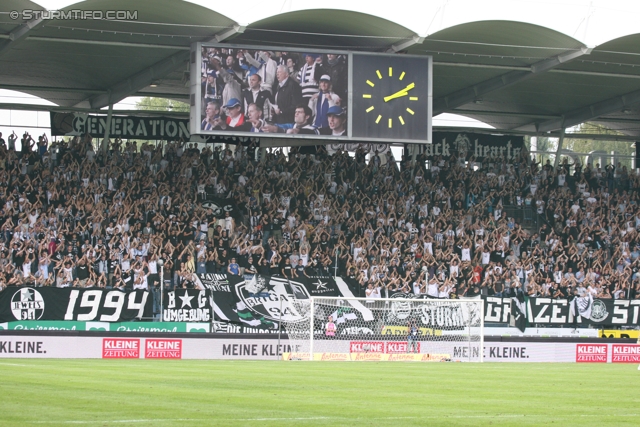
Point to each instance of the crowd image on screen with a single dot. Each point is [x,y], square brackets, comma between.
[83,215]
[265,92]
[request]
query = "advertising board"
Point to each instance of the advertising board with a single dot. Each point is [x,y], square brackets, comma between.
[267,348]
[625,353]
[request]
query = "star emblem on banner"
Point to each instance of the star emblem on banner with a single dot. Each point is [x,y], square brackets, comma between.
[320,285]
[269,286]
[27,295]
[186,300]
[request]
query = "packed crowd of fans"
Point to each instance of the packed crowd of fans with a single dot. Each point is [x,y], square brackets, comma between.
[76,215]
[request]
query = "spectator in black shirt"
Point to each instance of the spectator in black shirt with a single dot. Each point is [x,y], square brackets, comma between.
[82,272]
[286,269]
[276,227]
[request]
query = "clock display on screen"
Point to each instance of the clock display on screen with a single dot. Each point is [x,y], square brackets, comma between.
[400,95]
[391,97]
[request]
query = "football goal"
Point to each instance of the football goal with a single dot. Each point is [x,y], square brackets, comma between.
[387,329]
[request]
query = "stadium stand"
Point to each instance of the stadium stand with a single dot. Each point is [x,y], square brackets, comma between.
[73,215]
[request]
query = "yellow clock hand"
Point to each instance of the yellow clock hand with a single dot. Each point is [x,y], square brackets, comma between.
[396,95]
[400,93]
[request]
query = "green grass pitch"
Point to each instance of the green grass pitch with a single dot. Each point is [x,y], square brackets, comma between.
[272,393]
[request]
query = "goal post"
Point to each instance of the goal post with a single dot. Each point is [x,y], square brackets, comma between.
[342,328]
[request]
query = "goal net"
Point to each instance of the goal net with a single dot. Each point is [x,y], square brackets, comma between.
[387,329]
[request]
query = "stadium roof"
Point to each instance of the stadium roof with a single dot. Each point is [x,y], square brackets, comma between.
[569,63]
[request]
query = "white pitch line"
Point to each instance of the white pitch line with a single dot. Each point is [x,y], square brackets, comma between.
[160,420]
[428,417]
[282,419]
[12,364]
[151,420]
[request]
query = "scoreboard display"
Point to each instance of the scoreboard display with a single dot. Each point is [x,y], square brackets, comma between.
[313,95]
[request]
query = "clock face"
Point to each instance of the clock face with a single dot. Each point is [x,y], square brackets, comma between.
[391,97]
[399,95]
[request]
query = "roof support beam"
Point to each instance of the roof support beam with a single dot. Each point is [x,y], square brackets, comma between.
[140,80]
[108,43]
[618,120]
[502,113]
[586,113]
[395,48]
[36,107]
[184,96]
[18,34]
[471,93]
[23,88]
[519,68]
[231,32]
[144,78]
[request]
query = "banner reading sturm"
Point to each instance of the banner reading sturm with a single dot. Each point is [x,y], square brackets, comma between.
[84,305]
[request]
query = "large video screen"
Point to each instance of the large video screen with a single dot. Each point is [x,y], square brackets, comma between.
[293,93]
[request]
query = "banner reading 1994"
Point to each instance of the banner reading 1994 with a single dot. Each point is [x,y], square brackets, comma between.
[82,305]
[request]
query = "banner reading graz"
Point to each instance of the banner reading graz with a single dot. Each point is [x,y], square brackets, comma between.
[559,312]
[83,305]
[465,145]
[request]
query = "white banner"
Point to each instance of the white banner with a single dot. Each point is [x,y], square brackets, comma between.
[118,347]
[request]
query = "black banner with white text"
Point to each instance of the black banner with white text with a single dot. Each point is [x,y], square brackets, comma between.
[467,145]
[125,127]
[219,206]
[563,312]
[188,305]
[85,305]
[261,302]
